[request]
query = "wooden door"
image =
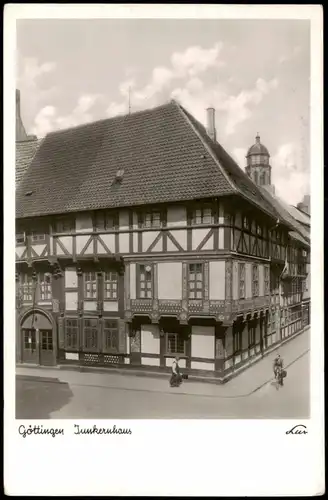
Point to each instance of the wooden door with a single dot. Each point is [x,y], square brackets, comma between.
[30,346]
[46,348]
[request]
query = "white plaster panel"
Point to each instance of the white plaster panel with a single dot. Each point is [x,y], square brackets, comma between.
[81,241]
[109,240]
[150,339]
[70,278]
[197,365]
[71,301]
[124,245]
[197,236]
[202,341]
[169,280]
[38,249]
[217,280]
[110,305]
[90,305]
[132,281]
[147,239]
[150,361]
[181,236]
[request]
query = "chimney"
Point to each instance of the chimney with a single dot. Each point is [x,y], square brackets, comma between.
[211,123]
[20,130]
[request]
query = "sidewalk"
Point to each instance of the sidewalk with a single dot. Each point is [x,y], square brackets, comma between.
[243,385]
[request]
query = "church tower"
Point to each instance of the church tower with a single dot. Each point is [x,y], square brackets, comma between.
[257,163]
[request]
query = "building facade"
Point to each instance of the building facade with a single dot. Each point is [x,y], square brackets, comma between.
[139,239]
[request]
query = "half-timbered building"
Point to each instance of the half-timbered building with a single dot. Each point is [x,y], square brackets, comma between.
[138,238]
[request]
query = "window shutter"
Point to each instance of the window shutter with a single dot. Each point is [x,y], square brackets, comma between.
[61,333]
[121,336]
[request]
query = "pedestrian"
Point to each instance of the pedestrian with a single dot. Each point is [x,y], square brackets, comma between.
[278,369]
[176,377]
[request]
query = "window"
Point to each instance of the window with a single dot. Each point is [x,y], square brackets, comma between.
[26,287]
[110,285]
[91,333]
[202,215]
[106,221]
[38,236]
[175,343]
[251,333]
[145,282]
[20,238]
[255,177]
[90,285]
[266,280]
[237,345]
[150,219]
[195,281]
[110,335]
[71,333]
[65,225]
[262,179]
[255,285]
[45,286]
[30,339]
[259,230]
[246,223]
[241,281]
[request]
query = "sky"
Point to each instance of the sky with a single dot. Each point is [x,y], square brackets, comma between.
[255,73]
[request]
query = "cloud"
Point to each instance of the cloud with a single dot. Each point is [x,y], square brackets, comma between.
[238,107]
[239,155]
[187,65]
[48,119]
[32,79]
[288,175]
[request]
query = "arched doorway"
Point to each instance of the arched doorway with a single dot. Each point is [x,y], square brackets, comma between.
[37,337]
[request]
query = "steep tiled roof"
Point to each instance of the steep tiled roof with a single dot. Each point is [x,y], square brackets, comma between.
[163,158]
[281,207]
[25,151]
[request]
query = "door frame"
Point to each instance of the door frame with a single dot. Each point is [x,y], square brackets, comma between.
[48,315]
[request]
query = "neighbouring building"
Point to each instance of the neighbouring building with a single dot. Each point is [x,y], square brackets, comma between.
[138,238]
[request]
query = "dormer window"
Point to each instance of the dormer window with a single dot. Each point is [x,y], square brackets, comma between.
[106,221]
[202,215]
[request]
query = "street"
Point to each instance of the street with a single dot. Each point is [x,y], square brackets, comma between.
[115,396]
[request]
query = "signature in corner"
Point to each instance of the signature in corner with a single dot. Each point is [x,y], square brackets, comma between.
[298,429]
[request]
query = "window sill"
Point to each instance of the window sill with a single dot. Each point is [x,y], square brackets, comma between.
[180,356]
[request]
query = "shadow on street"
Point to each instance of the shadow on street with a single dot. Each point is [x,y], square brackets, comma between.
[38,397]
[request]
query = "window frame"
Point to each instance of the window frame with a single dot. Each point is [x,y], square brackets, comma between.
[241,279]
[198,219]
[68,346]
[178,337]
[237,339]
[110,282]
[38,237]
[20,243]
[255,282]
[92,282]
[109,219]
[85,328]
[45,288]
[266,280]
[142,216]
[195,289]
[139,281]
[106,349]
[25,285]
